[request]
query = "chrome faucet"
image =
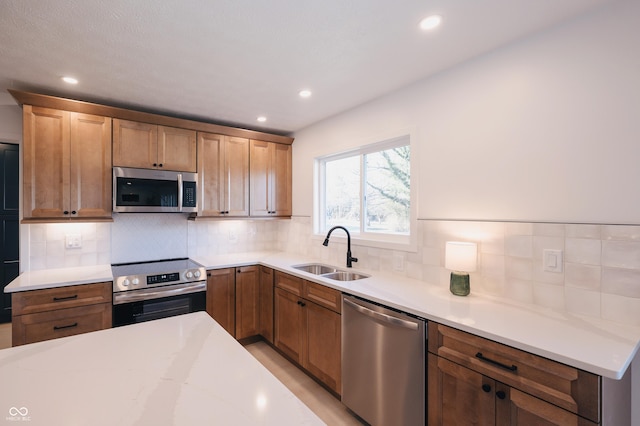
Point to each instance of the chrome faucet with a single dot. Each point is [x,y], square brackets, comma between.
[349,258]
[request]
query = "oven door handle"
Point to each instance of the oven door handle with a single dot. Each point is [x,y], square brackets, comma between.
[159,292]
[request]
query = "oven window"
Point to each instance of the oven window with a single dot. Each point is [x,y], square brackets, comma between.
[148,310]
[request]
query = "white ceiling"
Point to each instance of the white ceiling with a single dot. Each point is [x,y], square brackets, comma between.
[229,61]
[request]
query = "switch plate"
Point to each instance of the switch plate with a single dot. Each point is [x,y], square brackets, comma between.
[73,241]
[398,262]
[552,260]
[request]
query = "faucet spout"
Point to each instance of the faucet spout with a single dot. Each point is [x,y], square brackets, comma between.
[350,259]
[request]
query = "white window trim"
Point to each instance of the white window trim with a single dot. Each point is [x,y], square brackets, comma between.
[406,243]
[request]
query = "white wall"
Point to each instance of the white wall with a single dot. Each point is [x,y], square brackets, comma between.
[542,130]
[10,124]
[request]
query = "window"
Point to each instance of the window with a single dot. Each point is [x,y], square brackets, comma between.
[368,191]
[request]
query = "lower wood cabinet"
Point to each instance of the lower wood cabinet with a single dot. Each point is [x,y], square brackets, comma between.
[309,332]
[247,301]
[59,312]
[472,380]
[233,299]
[266,277]
[221,297]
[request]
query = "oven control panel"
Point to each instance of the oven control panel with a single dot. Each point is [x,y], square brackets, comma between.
[138,276]
[162,278]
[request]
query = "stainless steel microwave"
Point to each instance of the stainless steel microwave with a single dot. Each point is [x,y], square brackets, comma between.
[154,191]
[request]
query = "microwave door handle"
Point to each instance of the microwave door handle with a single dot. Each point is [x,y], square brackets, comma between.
[180,192]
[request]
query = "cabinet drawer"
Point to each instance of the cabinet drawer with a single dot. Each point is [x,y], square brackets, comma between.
[322,295]
[60,323]
[289,282]
[29,302]
[570,388]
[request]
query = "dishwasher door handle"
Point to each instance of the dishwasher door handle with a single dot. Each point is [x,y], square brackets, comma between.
[382,317]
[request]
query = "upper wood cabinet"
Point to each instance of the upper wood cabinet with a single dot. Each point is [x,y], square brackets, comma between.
[223,172]
[149,146]
[270,179]
[67,165]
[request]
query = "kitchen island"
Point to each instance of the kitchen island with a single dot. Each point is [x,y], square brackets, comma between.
[184,370]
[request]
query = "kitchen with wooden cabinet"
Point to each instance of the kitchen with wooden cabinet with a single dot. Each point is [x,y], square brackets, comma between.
[521,144]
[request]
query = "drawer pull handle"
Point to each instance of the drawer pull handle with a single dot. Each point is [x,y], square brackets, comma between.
[62,327]
[496,363]
[60,299]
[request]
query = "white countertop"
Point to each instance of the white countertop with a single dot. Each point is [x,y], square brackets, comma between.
[601,347]
[62,277]
[184,370]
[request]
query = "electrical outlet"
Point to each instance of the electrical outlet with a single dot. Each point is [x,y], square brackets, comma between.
[398,262]
[73,241]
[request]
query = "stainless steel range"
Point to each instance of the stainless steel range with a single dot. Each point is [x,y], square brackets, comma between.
[145,291]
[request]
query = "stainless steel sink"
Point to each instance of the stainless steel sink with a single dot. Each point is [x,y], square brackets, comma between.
[345,276]
[330,272]
[316,268]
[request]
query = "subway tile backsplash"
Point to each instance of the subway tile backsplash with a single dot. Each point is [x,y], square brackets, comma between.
[600,275]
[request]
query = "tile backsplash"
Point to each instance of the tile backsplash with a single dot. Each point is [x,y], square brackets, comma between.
[600,275]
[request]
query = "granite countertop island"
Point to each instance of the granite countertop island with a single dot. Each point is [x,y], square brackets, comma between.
[184,370]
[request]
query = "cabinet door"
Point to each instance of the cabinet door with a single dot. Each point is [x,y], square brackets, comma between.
[236,176]
[518,408]
[211,175]
[247,299]
[288,324]
[46,162]
[281,180]
[323,355]
[90,174]
[135,144]
[260,157]
[221,297]
[266,303]
[176,149]
[457,395]
[223,170]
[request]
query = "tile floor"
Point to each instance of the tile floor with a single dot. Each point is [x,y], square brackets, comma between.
[321,402]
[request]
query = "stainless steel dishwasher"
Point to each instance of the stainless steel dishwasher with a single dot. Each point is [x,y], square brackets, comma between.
[383,363]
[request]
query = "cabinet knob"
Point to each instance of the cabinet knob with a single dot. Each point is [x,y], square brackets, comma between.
[155,164]
[65,212]
[160,165]
[73,212]
[486,388]
[501,395]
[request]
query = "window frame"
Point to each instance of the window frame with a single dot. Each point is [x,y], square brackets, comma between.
[406,242]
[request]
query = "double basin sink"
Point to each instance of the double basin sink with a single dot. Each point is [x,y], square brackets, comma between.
[326,271]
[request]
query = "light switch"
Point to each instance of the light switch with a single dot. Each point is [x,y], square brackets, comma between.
[552,260]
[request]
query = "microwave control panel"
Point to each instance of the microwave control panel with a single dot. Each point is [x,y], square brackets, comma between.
[189,194]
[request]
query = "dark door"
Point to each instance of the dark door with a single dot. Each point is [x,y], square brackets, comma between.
[10,242]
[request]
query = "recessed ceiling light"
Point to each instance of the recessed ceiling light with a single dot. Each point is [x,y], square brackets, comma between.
[70,80]
[305,93]
[262,119]
[431,22]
